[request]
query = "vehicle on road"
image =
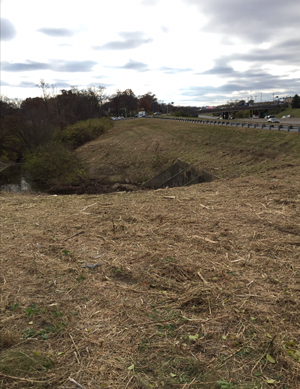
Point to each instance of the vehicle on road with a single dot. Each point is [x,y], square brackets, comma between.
[273,120]
[141,114]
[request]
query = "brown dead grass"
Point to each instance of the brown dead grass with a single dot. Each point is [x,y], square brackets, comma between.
[196,285]
[136,150]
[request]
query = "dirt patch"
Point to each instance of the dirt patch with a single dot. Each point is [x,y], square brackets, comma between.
[92,187]
[194,287]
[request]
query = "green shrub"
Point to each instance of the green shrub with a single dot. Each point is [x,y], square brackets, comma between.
[53,164]
[239,114]
[79,133]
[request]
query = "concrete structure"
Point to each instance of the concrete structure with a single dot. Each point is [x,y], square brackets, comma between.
[179,174]
[257,109]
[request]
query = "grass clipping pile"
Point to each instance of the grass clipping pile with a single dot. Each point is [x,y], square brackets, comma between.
[179,288]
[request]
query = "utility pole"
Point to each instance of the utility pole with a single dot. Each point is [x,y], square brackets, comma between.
[168,107]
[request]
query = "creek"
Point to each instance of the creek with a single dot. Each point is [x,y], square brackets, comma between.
[13,179]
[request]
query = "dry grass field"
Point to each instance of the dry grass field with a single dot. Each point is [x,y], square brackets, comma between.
[193,287]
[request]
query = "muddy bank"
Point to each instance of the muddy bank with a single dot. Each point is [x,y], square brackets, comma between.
[93,187]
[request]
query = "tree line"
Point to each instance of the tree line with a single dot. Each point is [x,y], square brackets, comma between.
[30,123]
[41,132]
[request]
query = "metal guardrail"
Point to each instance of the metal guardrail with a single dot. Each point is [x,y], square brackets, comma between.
[277,127]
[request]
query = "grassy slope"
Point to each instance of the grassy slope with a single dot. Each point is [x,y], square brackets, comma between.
[289,111]
[135,150]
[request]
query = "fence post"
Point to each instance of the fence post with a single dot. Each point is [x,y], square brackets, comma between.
[254,126]
[262,126]
[289,128]
[248,125]
[270,126]
[279,127]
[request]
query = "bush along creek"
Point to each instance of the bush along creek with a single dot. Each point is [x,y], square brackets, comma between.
[50,165]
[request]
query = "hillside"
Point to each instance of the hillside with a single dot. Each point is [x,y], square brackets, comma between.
[289,111]
[136,150]
[195,287]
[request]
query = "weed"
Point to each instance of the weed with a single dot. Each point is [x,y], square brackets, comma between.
[14,306]
[170,259]
[33,309]
[118,270]
[44,332]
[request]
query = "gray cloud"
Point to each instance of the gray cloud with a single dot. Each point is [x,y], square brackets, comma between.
[22,84]
[131,40]
[164,29]
[27,84]
[57,32]
[61,84]
[243,86]
[274,56]
[8,30]
[106,85]
[132,65]
[20,67]
[289,44]
[219,70]
[168,70]
[239,84]
[55,65]
[253,21]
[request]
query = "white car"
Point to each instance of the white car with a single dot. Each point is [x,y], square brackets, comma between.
[273,120]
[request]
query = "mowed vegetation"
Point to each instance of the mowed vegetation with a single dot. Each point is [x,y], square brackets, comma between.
[193,287]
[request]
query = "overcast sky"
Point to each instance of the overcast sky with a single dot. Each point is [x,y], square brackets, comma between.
[190,52]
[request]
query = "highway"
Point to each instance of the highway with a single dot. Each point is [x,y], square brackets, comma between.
[247,123]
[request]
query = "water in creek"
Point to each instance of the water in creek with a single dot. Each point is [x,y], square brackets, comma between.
[13,179]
